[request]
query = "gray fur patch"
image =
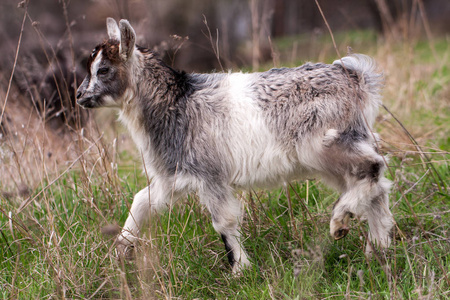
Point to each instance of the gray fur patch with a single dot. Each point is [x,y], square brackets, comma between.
[177,109]
[300,101]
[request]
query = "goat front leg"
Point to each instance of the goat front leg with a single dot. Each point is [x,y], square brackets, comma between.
[155,197]
[226,213]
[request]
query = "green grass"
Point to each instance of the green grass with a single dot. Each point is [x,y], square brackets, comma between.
[58,246]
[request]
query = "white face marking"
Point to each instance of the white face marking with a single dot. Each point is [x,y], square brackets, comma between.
[94,68]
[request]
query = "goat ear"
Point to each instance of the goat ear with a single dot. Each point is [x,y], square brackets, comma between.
[113,29]
[127,39]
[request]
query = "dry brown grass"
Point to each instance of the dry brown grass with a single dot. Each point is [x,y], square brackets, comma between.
[410,94]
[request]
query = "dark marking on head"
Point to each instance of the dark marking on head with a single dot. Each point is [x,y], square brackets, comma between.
[109,48]
[92,58]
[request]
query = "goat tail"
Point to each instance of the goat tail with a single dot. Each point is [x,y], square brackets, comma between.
[370,82]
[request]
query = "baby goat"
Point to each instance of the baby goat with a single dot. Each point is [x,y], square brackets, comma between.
[215,133]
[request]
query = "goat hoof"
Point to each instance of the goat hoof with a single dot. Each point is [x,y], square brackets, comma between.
[125,250]
[341,232]
[339,226]
[239,267]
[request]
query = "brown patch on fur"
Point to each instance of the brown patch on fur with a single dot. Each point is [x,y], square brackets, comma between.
[110,48]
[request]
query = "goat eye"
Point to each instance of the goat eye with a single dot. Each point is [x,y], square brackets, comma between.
[102,71]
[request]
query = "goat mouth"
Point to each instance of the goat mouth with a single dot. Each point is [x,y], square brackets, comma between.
[87,103]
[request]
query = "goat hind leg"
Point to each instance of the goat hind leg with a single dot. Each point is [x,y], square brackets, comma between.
[361,184]
[366,197]
[379,218]
[339,224]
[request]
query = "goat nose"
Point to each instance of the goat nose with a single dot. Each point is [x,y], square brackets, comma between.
[78,94]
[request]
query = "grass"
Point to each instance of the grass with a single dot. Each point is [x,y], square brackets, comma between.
[61,245]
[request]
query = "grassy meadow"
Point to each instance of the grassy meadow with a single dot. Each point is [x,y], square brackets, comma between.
[63,200]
